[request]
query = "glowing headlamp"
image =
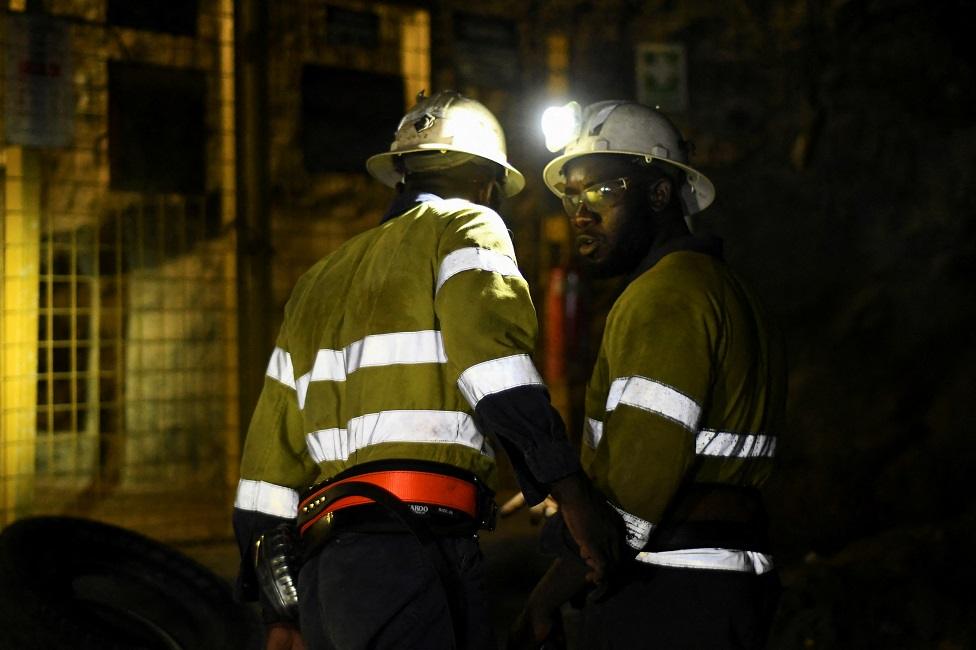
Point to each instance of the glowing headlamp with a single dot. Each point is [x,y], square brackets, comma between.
[561,125]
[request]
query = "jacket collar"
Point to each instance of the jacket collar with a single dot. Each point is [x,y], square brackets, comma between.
[706,244]
[404,201]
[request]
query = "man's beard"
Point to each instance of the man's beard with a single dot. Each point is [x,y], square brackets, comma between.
[628,249]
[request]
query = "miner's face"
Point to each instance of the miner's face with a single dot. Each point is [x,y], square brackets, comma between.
[606,200]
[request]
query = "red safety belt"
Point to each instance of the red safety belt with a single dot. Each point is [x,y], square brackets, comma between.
[409,486]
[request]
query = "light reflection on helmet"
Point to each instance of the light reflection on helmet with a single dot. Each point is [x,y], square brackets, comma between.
[446,122]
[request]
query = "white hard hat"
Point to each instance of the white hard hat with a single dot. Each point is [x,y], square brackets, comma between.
[620,127]
[446,122]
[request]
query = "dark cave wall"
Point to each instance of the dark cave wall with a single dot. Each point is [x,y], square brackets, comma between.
[842,141]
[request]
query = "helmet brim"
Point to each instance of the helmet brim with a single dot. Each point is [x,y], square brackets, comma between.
[382,167]
[702,188]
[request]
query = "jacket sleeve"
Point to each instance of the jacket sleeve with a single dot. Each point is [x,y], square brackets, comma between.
[489,328]
[275,464]
[656,368]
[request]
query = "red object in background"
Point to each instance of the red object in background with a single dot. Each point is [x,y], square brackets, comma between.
[555,327]
[572,309]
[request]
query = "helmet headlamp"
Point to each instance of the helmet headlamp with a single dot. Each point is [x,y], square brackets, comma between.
[561,125]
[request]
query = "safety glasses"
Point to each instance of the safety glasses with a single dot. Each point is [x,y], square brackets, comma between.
[597,197]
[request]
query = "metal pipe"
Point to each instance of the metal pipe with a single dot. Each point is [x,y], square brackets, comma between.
[253,204]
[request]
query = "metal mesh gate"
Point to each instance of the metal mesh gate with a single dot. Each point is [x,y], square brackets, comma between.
[118,356]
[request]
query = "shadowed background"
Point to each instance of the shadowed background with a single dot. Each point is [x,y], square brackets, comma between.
[169,170]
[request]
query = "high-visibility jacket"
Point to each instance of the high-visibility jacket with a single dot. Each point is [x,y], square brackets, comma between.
[689,387]
[388,346]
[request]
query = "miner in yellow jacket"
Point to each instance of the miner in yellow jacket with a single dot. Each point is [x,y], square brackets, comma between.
[684,407]
[404,356]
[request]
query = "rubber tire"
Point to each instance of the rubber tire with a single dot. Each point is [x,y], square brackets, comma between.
[81,584]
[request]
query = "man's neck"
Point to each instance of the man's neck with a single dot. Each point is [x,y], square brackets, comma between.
[670,228]
[674,235]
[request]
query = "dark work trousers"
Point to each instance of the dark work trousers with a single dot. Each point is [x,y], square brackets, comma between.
[380,590]
[669,608]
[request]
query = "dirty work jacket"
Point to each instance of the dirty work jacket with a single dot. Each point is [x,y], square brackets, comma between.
[689,387]
[410,341]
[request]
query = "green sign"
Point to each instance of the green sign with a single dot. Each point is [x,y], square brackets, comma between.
[662,76]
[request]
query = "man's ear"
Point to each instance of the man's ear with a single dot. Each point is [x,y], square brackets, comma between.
[659,194]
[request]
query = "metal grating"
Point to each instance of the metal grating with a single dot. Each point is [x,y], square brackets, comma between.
[118,353]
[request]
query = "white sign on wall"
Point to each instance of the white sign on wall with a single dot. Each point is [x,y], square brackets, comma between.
[662,76]
[39,102]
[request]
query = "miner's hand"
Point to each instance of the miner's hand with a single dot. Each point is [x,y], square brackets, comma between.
[545,508]
[590,522]
[284,636]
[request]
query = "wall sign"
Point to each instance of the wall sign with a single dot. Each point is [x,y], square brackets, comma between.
[662,76]
[39,102]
